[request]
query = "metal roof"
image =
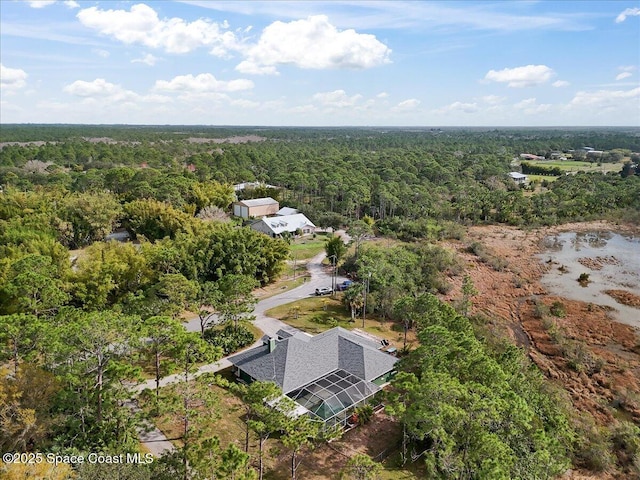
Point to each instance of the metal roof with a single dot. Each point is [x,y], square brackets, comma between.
[257,202]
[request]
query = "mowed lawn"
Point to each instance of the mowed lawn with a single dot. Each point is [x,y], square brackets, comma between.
[576,166]
[316,314]
[307,247]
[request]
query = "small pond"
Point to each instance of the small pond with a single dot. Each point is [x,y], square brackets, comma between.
[611,260]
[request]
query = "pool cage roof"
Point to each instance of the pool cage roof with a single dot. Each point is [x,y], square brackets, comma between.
[332,394]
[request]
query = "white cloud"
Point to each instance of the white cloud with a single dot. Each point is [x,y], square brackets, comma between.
[527,76]
[312,43]
[72,4]
[98,88]
[252,68]
[493,99]
[629,12]
[142,25]
[148,59]
[408,104]
[12,78]
[382,95]
[40,3]
[337,98]
[530,106]
[607,98]
[204,82]
[560,84]
[627,68]
[623,75]
[459,107]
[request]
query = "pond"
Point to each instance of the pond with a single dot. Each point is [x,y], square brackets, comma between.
[611,260]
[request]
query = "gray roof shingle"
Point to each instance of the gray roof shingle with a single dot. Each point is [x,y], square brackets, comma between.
[299,359]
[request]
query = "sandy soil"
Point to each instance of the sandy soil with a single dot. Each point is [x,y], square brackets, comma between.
[508,299]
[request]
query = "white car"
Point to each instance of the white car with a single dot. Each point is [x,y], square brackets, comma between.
[324,291]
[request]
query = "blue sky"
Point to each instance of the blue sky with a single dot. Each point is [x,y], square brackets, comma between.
[306,63]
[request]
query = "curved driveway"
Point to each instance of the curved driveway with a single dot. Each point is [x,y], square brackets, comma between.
[152,438]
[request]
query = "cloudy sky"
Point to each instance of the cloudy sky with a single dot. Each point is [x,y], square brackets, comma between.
[475,63]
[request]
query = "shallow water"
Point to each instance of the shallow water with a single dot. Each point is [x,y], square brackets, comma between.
[619,257]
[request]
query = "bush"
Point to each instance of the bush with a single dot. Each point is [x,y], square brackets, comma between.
[230,339]
[540,310]
[557,310]
[364,413]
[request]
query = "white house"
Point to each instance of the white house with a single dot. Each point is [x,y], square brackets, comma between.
[518,177]
[244,185]
[276,226]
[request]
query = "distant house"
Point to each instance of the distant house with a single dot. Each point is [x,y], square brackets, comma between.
[518,177]
[595,153]
[276,226]
[244,185]
[327,375]
[530,156]
[256,207]
[284,211]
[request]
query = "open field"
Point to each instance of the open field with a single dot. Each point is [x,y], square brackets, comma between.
[577,166]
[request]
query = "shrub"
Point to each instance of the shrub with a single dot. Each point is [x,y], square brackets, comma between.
[540,310]
[583,279]
[557,309]
[230,339]
[364,413]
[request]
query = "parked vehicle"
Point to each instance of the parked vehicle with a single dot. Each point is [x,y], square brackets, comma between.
[324,291]
[344,285]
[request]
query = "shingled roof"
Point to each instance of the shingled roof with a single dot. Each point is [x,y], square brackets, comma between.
[299,359]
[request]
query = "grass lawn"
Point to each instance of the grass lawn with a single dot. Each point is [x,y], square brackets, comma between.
[307,247]
[317,314]
[541,178]
[575,166]
[280,286]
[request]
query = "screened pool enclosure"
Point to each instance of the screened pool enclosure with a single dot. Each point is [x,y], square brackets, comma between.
[332,398]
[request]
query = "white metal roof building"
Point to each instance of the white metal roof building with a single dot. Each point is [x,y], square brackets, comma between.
[518,177]
[275,226]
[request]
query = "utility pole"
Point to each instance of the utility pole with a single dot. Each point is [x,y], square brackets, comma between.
[333,259]
[366,291]
[295,257]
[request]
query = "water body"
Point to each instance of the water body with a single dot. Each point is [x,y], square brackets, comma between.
[619,257]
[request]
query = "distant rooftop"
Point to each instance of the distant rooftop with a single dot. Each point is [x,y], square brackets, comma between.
[256,202]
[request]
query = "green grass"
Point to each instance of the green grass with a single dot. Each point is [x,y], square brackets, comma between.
[307,247]
[541,178]
[281,285]
[314,316]
[574,166]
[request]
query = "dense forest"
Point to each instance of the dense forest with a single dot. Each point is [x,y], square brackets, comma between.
[81,316]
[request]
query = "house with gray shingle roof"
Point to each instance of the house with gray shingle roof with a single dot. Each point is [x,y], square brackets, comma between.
[327,374]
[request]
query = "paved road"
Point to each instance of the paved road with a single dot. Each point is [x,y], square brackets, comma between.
[320,277]
[152,438]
